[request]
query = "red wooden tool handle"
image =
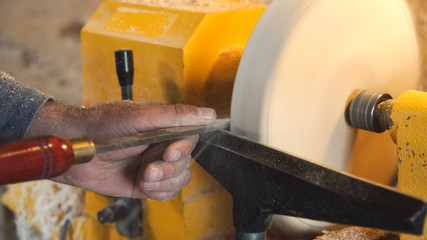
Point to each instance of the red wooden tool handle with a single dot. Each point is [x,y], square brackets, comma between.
[35,158]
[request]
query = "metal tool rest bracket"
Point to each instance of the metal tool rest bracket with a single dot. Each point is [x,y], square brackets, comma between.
[264,181]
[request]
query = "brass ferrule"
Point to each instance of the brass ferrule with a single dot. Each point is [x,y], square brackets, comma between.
[84,150]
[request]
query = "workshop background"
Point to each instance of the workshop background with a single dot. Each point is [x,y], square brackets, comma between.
[40,45]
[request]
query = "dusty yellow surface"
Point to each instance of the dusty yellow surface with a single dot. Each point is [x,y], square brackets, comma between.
[409,115]
[173,56]
[182,54]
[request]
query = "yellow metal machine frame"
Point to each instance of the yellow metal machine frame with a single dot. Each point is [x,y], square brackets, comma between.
[409,116]
[186,53]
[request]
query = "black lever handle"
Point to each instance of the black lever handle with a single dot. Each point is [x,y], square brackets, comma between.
[124,69]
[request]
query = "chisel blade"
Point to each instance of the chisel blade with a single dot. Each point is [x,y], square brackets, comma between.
[157,136]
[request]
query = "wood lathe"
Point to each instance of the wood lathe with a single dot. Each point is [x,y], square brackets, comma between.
[300,67]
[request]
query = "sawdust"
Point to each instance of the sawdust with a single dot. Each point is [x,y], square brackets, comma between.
[357,233]
[55,205]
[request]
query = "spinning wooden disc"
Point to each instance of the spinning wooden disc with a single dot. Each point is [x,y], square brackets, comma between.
[304,60]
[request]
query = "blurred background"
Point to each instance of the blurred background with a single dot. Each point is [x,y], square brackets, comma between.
[40,45]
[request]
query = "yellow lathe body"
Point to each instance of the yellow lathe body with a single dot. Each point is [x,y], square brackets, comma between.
[176,51]
[182,54]
[409,115]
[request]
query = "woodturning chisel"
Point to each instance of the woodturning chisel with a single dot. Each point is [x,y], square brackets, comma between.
[49,156]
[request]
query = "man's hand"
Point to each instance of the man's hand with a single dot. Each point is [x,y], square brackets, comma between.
[158,171]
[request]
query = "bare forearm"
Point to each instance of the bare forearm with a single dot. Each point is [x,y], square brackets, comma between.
[58,119]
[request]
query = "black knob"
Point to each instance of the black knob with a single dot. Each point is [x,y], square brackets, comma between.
[124,69]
